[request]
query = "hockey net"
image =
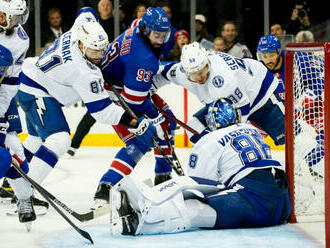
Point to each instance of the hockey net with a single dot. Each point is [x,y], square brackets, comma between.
[307,120]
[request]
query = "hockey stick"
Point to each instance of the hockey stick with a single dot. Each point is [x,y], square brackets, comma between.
[42,192]
[182,124]
[130,111]
[3,76]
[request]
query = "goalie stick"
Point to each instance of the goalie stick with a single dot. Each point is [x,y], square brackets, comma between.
[176,167]
[42,192]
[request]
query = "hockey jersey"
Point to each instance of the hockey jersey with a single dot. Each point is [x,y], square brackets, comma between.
[229,154]
[130,64]
[279,74]
[64,73]
[17,43]
[246,82]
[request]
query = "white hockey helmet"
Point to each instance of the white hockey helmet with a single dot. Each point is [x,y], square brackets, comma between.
[94,39]
[16,12]
[193,58]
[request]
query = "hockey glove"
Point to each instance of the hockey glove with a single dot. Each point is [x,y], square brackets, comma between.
[161,125]
[144,131]
[3,131]
[6,58]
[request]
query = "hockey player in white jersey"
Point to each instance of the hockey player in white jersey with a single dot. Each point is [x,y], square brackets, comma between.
[247,82]
[233,182]
[65,73]
[14,43]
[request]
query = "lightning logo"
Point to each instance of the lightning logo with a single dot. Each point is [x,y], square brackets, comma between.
[41,108]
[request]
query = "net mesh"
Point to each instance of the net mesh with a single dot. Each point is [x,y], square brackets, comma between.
[308,76]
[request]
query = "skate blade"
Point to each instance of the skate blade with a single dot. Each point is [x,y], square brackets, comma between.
[39,210]
[28,226]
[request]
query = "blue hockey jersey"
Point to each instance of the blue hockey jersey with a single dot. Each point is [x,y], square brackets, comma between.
[130,64]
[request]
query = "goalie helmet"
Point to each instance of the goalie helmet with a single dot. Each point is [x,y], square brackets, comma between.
[94,39]
[222,113]
[267,44]
[193,58]
[16,12]
[156,19]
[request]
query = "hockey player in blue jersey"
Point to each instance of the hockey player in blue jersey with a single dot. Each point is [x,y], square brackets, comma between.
[232,182]
[14,44]
[130,63]
[64,74]
[270,53]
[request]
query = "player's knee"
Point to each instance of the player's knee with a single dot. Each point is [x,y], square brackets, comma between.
[58,143]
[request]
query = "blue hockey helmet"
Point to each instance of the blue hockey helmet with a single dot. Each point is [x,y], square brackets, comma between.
[222,113]
[156,19]
[267,44]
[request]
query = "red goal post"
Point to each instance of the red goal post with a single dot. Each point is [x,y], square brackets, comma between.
[307,115]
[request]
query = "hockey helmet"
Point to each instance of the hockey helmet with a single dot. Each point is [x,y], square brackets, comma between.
[94,39]
[193,58]
[16,12]
[267,44]
[222,113]
[156,19]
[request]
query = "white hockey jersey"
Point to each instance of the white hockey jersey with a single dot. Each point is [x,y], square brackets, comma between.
[229,154]
[17,43]
[63,73]
[246,82]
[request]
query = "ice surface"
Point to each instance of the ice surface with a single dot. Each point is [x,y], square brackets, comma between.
[74,181]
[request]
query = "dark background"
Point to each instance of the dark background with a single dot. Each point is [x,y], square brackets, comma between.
[248,14]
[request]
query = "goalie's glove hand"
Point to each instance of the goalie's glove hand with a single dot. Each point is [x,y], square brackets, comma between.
[3,131]
[144,131]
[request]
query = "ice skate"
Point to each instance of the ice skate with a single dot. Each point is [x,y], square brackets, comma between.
[6,192]
[26,212]
[101,197]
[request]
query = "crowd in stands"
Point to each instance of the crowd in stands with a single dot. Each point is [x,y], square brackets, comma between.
[226,39]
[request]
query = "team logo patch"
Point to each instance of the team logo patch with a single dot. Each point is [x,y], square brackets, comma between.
[21,33]
[218,81]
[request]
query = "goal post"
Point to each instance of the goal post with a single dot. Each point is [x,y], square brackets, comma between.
[307,130]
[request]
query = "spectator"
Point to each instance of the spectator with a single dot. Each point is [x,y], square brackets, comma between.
[299,19]
[181,38]
[139,11]
[201,32]
[233,47]
[122,20]
[104,8]
[170,44]
[219,44]
[304,36]
[277,29]
[55,28]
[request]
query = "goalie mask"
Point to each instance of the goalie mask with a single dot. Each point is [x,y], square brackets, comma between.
[194,59]
[94,40]
[222,113]
[16,13]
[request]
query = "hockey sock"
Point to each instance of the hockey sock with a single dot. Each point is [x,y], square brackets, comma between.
[121,166]
[42,163]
